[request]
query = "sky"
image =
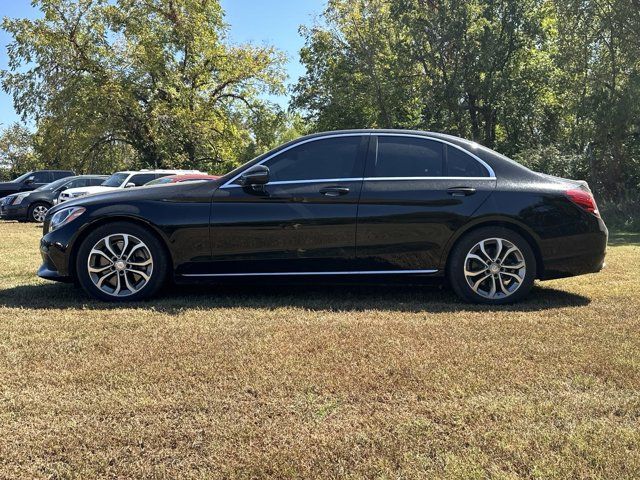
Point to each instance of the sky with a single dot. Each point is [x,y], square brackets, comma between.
[272,22]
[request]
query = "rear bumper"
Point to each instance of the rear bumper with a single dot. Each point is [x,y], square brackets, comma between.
[577,255]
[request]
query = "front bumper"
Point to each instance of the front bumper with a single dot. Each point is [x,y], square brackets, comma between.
[55,248]
[13,212]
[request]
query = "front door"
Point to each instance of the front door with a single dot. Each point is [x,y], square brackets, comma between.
[416,193]
[302,221]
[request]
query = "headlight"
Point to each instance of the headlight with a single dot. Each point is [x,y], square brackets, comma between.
[18,198]
[65,216]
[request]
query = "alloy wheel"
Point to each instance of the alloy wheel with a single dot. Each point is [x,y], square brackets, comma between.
[39,212]
[494,268]
[120,265]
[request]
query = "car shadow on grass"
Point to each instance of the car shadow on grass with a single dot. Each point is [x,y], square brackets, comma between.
[175,299]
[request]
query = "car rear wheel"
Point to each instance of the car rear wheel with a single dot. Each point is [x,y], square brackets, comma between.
[121,262]
[38,211]
[492,265]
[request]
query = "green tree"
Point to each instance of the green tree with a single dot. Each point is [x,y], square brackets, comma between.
[17,153]
[154,79]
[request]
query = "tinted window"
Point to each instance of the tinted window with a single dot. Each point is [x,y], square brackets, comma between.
[408,157]
[329,158]
[41,177]
[95,181]
[57,175]
[142,178]
[78,182]
[459,164]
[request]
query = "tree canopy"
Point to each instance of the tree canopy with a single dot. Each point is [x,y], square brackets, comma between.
[531,78]
[152,79]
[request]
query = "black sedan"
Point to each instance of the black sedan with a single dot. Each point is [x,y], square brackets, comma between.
[364,204]
[33,206]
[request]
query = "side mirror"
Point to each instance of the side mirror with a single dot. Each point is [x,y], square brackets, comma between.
[130,185]
[256,175]
[29,180]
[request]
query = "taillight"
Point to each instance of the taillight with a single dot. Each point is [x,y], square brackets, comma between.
[584,200]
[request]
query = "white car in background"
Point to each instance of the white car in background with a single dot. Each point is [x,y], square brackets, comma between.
[120,180]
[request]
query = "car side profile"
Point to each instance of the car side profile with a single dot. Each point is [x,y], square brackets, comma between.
[32,180]
[32,206]
[357,204]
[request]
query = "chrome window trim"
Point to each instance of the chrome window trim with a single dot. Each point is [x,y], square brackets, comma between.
[389,179]
[492,175]
[268,274]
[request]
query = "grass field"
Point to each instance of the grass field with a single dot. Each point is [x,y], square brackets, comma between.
[322,382]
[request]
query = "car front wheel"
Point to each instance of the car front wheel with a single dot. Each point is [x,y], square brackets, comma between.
[492,265]
[38,211]
[121,262]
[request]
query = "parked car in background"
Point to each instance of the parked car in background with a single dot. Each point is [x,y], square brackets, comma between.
[33,205]
[32,180]
[120,180]
[193,177]
[359,204]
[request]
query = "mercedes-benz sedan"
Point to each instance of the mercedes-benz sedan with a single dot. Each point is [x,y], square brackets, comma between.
[366,204]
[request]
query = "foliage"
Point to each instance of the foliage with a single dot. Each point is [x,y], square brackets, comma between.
[17,154]
[154,83]
[553,79]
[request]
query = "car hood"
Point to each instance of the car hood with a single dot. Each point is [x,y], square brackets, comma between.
[8,185]
[121,196]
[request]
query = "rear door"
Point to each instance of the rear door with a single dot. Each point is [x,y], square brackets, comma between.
[303,221]
[417,192]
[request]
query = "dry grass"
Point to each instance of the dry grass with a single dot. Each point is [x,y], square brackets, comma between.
[321,382]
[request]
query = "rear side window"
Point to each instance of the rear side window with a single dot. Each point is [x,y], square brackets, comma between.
[460,164]
[59,175]
[330,158]
[95,181]
[408,157]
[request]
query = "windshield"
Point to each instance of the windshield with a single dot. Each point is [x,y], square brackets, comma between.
[21,178]
[115,180]
[53,185]
[159,181]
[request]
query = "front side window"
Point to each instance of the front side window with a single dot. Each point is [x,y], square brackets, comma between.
[41,177]
[115,180]
[142,178]
[329,158]
[408,157]
[460,164]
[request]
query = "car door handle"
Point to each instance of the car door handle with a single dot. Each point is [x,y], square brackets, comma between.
[334,191]
[461,191]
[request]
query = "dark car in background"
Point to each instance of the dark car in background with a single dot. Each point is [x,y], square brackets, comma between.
[32,180]
[33,205]
[359,204]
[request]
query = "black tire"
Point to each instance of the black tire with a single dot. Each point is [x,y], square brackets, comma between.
[157,274]
[471,240]
[37,207]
